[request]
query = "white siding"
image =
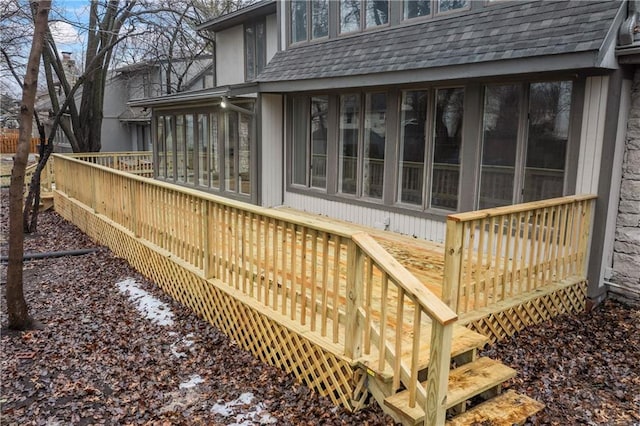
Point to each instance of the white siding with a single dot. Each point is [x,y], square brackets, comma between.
[272,169]
[230,56]
[272,36]
[418,227]
[592,135]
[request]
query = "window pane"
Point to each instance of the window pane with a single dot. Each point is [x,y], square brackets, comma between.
[447,5]
[244,154]
[415,8]
[349,15]
[349,129]
[168,121]
[549,112]
[261,47]
[180,148]
[190,148]
[249,52]
[375,135]
[319,114]
[299,143]
[320,18]
[377,13]
[298,21]
[412,142]
[214,151]
[447,140]
[203,150]
[500,136]
[160,147]
[231,144]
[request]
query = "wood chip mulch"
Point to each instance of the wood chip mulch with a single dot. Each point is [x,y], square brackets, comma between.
[96,360]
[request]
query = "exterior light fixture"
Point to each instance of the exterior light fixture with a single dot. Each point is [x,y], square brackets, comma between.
[223,102]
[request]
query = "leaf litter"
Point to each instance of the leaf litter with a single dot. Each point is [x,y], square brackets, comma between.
[97,359]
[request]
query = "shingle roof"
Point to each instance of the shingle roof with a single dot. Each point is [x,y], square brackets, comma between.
[497,32]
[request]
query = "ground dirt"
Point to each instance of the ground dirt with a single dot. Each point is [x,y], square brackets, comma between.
[97,360]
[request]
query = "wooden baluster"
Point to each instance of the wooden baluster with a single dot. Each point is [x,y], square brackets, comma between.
[336,288]
[303,277]
[470,284]
[283,266]
[314,278]
[382,344]
[294,263]
[325,282]
[415,354]
[397,360]
[367,305]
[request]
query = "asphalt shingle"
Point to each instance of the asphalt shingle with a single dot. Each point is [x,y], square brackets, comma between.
[504,31]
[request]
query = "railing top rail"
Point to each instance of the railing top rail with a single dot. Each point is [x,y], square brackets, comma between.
[430,303]
[107,154]
[518,208]
[335,229]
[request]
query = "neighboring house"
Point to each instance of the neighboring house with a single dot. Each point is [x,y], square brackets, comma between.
[394,114]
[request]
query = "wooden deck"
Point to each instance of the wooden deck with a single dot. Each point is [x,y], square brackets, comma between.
[350,311]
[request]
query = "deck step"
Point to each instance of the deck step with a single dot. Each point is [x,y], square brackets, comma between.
[465,382]
[463,341]
[509,408]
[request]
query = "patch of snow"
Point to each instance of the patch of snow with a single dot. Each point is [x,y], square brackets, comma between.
[193,381]
[185,342]
[256,414]
[151,308]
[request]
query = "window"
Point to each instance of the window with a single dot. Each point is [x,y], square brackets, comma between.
[310,141]
[317,20]
[205,145]
[255,46]
[376,13]
[298,21]
[440,163]
[418,8]
[520,166]
[349,135]
[375,137]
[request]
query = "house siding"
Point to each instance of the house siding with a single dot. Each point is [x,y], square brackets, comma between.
[271,162]
[230,56]
[625,280]
[418,227]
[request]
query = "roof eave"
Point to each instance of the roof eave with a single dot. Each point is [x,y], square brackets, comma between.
[262,8]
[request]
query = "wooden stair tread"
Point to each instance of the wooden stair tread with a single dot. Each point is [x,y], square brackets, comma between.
[465,382]
[509,408]
[463,340]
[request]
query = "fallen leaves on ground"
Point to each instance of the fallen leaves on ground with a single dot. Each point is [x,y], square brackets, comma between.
[97,360]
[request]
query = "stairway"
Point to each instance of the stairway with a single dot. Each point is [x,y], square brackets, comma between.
[475,388]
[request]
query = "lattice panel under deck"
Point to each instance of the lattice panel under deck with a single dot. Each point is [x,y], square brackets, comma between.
[503,324]
[270,341]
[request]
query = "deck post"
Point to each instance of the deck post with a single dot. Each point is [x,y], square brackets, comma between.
[353,326]
[438,373]
[452,264]
[585,231]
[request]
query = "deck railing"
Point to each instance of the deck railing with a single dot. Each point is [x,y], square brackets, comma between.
[312,275]
[9,142]
[497,254]
[136,162]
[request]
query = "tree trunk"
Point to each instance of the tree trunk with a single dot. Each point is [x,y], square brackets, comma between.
[17,309]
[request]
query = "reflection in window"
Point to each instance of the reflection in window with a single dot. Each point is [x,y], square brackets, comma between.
[180,149]
[244,157]
[298,21]
[319,18]
[412,143]
[169,143]
[447,5]
[500,135]
[254,49]
[377,13]
[203,150]
[160,147]
[375,135]
[299,145]
[231,144]
[416,8]
[447,140]
[319,114]
[190,148]
[214,150]
[349,132]
[549,112]
[349,15]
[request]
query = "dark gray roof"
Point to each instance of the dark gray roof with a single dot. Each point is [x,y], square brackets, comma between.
[497,32]
[255,10]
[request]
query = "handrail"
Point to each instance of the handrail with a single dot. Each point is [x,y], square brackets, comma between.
[431,303]
[518,208]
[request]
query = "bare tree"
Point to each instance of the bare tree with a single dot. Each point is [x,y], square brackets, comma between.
[17,308]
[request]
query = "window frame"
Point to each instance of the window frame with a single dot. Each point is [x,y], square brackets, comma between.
[308,22]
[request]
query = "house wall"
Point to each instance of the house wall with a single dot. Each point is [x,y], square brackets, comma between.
[625,280]
[230,56]
[115,134]
[271,146]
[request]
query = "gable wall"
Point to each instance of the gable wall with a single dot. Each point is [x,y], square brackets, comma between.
[230,56]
